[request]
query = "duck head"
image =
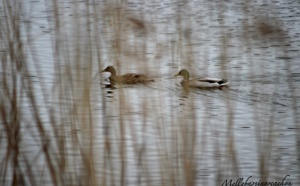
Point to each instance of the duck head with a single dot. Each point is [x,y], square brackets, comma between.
[184,73]
[110,69]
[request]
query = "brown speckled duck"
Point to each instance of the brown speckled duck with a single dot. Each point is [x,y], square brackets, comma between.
[201,82]
[130,78]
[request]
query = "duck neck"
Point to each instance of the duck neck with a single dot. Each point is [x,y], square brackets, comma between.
[113,72]
[186,76]
[185,84]
[113,78]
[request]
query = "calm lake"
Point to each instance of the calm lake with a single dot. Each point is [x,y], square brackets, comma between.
[159,134]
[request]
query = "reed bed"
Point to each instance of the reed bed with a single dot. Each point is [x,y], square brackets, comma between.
[60,126]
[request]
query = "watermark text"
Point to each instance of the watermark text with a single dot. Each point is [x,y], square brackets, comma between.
[249,182]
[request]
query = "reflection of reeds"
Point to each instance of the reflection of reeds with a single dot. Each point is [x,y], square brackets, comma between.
[52,134]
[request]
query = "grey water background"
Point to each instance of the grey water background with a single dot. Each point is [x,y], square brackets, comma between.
[249,129]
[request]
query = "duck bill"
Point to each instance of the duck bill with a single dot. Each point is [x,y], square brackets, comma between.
[176,75]
[104,70]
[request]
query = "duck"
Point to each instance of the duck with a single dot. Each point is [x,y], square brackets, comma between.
[129,78]
[201,82]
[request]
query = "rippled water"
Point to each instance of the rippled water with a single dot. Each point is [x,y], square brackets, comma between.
[230,39]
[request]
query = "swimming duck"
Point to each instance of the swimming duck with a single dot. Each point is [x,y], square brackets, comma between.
[200,82]
[130,78]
